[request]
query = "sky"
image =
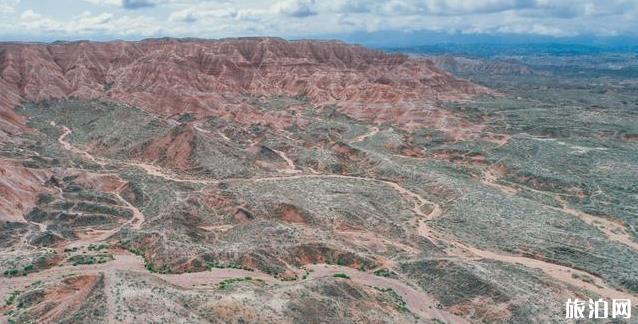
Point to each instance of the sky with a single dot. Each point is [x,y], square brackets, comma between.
[372,21]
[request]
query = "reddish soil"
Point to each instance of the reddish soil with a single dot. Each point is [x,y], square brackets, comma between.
[19,188]
[172,150]
[170,77]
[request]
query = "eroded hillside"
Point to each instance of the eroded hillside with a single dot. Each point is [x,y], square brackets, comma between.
[261,180]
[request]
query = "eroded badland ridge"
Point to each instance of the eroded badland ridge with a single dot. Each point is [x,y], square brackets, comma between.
[261,180]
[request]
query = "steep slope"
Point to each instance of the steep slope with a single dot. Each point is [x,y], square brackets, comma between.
[170,77]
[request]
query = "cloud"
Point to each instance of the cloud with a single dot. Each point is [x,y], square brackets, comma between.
[295,8]
[214,13]
[87,24]
[191,15]
[430,7]
[452,7]
[314,18]
[8,6]
[129,4]
[105,2]
[136,4]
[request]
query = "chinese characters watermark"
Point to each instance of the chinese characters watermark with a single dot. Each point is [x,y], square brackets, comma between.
[576,309]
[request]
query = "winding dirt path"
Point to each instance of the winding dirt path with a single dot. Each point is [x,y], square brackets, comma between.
[292,168]
[123,261]
[69,147]
[613,231]
[417,301]
[491,175]
[159,172]
[137,219]
[361,138]
[558,272]
[561,273]
[148,168]
[455,247]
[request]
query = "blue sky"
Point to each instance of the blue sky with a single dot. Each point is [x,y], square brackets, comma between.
[46,20]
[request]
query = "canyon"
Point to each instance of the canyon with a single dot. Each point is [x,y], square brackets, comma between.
[265,180]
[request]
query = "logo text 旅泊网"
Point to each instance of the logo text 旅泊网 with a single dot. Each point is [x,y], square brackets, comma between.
[598,309]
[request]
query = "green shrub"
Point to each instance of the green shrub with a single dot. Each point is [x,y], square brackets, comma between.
[11,272]
[385,273]
[11,298]
[227,283]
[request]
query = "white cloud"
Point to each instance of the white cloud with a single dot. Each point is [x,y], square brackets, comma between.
[295,8]
[132,4]
[87,23]
[215,13]
[8,6]
[302,18]
[105,2]
[197,13]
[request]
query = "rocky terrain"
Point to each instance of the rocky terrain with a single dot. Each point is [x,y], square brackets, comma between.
[261,180]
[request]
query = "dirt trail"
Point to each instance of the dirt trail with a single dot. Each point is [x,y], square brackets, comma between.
[292,168]
[417,301]
[558,272]
[499,139]
[69,147]
[93,236]
[613,231]
[137,219]
[148,168]
[208,133]
[159,172]
[201,129]
[121,262]
[125,261]
[376,242]
[561,273]
[456,248]
[490,177]
[361,138]
[220,228]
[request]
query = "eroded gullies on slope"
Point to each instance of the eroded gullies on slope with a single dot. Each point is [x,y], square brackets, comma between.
[219,195]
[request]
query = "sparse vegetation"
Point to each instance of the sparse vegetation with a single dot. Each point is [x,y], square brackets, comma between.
[89,259]
[19,272]
[11,297]
[97,247]
[400,304]
[228,283]
[385,273]
[508,174]
[213,265]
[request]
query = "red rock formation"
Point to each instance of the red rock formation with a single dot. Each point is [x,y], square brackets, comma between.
[170,76]
[19,187]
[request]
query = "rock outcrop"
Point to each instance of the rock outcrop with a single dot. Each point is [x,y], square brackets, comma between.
[202,77]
